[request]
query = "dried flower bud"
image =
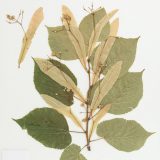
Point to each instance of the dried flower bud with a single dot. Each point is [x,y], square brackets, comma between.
[10,17]
[66,17]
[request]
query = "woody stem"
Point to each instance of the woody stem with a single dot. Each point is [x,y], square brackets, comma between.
[87,112]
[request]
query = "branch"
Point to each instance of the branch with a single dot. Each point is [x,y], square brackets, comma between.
[76,132]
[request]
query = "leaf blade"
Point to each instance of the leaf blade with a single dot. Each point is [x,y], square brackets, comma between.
[74,34]
[106,84]
[67,14]
[114,28]
[35,21]
[88,23]
[125,94]
[60,44]
[124,135]
[48,127]
[123,50]
[59,75]
[72,152]
[101,56]
[78,42]
[95,120]
[45,85]
[96,33]
[62,109]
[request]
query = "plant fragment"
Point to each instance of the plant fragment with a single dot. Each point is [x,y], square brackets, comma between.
[112,88]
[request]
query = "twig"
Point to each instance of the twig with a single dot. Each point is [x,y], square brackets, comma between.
[76,132]
[83,147]
[87,110]
[96,113]
[96,139]
[13,20]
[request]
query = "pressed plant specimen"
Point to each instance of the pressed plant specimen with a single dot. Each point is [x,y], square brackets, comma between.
[112,88]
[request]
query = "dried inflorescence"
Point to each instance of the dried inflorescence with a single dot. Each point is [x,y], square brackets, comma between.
[106,58]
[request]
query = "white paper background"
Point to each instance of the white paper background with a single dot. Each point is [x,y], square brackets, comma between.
[18,95]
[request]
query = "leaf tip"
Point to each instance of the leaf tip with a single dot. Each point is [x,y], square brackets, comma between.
[143,70]
[112,13]
[46,26]
[64,7]
[40,10]
[20,122]
[151,133]
[33,59]
[138,37]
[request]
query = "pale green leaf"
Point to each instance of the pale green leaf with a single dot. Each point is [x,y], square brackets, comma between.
[125,94]
[72,152]
[47,126]
[61,44]
[124,135]
[122,50]
[88,23]
[106,84]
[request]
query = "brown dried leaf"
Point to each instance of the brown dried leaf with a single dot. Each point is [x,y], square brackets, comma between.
[27,39]
[74,34]
[102,112]
[96,33]
[61,108]
[68,17]
[59,76]
[114,26]
[106,84]
[101,56]
[104,49]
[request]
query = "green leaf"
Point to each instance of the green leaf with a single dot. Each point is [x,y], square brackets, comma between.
[64,69]
[88,23]
[60,44]
[123,50]
[124,135]
[62,77]
[47,126]
[72,152]
[45,85]
[125,94]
